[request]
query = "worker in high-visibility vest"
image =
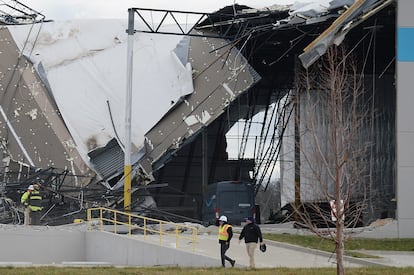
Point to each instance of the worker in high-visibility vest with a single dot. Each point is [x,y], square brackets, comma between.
[32,201]
[35,205]
[224,235]
[25,200]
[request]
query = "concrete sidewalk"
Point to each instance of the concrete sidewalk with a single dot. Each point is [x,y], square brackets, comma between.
[292,256]
[276,255]
[287,255]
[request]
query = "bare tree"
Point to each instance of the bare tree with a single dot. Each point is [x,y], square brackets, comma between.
[333,151]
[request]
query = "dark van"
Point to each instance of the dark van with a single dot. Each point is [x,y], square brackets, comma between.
[234,199]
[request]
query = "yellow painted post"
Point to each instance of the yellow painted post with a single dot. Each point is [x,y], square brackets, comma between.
[192,236]
[176,236]
[100,218]
[88,217]
[127,188]
[115,223]
[195,234]
[129,224]
[145,228]
[160,232]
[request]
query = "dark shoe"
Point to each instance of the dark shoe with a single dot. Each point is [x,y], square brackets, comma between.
[232,263]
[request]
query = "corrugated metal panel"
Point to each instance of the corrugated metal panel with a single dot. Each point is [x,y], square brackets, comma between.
[108,161]
[220,75]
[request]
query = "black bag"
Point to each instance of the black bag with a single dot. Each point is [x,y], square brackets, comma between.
[262,247]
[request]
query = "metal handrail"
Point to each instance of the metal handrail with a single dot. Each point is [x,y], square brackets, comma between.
[124,218]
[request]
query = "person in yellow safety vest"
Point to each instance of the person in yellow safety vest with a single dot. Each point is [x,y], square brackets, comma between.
[35,205]
[25,201]
[224,235]
[33,201]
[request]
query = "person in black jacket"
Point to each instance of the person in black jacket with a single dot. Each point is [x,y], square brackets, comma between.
[251,233]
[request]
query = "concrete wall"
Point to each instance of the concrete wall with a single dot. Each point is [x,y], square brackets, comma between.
[74,245]
[405,124]
[123,251]
[41,245]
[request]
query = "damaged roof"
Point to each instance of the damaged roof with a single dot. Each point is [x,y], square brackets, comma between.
[327,21]
[180,85]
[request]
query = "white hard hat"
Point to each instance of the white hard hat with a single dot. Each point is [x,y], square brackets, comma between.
[30,187]
[223,219]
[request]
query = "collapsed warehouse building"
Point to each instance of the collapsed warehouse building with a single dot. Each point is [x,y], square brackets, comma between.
[63,100]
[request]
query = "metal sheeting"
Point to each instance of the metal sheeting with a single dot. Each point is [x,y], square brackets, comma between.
[85,65]
[31,114]
[220,75]
[108,161]
[358,12]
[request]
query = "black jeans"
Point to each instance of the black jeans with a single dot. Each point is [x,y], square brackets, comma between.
[223,248]
[35,217]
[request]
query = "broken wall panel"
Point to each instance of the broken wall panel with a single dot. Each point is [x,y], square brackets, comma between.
[38,136]
[84,63]
[376,55]
[108,161]
[220,75]
[358,12]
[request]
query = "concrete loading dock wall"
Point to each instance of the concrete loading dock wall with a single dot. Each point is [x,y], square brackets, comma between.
[124,251]
[73,244]
[41,245]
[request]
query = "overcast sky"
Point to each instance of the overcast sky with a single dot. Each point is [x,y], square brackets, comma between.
[75,9]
